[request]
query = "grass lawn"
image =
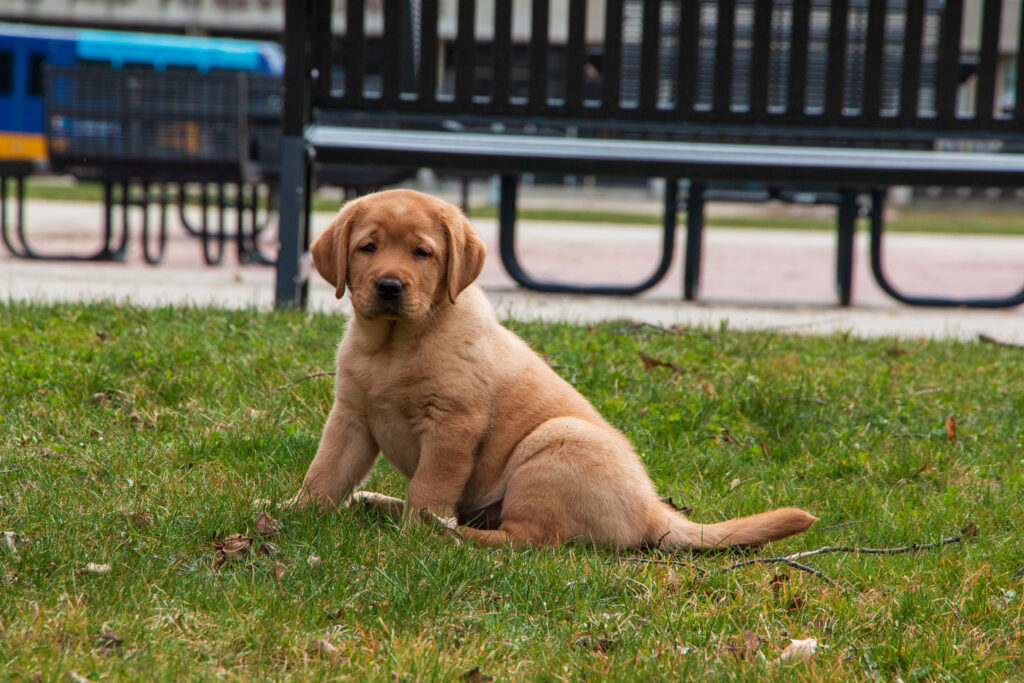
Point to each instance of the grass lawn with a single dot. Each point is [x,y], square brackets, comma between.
[136,440]
[970,220]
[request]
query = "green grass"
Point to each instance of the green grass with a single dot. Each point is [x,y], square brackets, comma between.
[108,410]
[994,221]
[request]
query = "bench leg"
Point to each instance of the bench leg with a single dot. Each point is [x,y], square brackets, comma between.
[507,242]
[846,221]
[877,228]
[694,239]
[291,287]
[16,241]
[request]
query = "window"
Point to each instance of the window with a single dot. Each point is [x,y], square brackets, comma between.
[6,72]
[35,74]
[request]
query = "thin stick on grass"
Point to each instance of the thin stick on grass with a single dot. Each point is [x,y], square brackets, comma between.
[782,560]
[1019,573]
[914,547]
[970,531]
[322,373]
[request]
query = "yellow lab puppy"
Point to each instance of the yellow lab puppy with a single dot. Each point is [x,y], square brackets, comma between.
[484,429]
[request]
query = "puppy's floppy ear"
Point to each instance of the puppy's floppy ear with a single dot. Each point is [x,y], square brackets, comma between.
[330,248]
[466,252]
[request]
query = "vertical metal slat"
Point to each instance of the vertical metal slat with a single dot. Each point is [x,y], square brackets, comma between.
[611,65]
[427,76]
[687,58]
[650,42]
[575,75]
[836,63]
[871,104]
[724,45]
[988,60]
[910,79]
[355,52]
[947,76]
[502,54]
[390,74]
[796,93]
[538,79]
[761,54]
[322,50]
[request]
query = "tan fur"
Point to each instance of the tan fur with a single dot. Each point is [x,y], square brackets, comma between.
[484,429]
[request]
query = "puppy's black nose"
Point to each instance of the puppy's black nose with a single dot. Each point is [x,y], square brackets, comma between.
[389,288]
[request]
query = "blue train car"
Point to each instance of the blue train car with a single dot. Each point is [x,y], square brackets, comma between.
[25,50]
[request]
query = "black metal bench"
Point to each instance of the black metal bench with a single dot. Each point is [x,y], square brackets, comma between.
[844,97]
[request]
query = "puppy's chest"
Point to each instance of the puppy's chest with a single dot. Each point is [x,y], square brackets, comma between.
[400,412]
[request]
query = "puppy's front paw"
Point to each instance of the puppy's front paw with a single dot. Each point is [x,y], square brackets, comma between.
[391,507]
[448,526]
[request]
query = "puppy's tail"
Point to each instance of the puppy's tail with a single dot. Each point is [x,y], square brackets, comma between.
[674,531]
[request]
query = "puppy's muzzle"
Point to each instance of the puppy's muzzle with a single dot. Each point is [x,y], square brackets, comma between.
[389,291]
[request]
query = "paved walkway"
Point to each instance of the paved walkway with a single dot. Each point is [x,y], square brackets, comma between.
[752,279]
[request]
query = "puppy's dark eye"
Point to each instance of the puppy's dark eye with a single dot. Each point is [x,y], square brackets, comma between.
[368,248]
[420,252]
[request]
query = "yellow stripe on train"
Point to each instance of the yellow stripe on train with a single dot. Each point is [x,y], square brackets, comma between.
[22,146]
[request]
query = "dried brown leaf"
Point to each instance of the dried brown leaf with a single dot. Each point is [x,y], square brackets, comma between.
[950,429]
[107,641]
[778,583]
[267,525]
[267,549]
[970,530]
[708,388]
[642,413]
[140,520]
[233,546]
[475,675]
[751,644]
[278,573]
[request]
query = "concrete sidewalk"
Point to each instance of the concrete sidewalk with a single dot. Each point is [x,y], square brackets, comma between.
[752,279]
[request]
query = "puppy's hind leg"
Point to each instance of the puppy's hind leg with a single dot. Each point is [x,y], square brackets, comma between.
[515,535]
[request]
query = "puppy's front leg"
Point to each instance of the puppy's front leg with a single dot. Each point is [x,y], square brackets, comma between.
[441,475]
[346,454]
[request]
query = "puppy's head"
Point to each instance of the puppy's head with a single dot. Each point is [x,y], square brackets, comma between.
[400,253]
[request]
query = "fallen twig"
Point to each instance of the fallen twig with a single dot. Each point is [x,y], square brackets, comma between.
[651,362]
[1019,573]
[775,560]
[322,373]
[874,551]
[969,531]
